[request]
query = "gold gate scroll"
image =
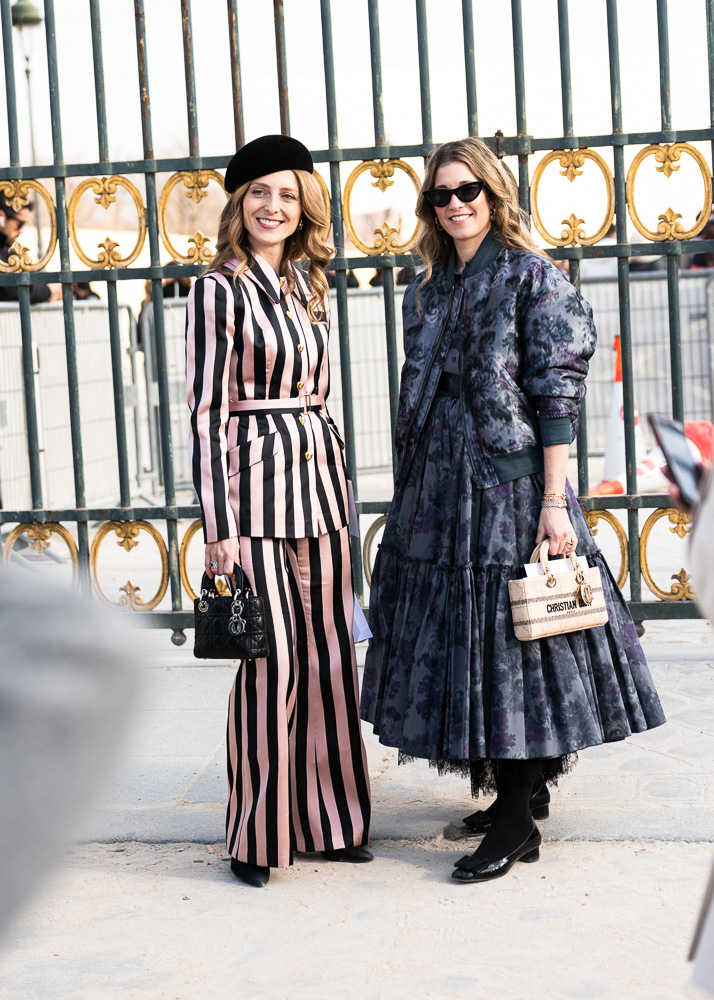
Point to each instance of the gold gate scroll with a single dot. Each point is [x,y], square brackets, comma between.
[183,556]
[196,184]
[572,160]
[38,536]
[128,534]
[219,584]
[681,589]
[592,517]
[18,194]
[369,538]
[669,227]
[105,193]
[387,238]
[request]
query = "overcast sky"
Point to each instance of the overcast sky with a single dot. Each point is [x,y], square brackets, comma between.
[640,82]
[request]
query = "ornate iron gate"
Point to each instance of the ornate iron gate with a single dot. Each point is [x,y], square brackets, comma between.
[388,251]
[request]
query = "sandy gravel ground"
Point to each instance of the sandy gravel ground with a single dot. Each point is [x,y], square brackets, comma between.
[601,921]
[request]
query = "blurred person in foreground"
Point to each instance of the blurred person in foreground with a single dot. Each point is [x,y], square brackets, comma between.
[67,682]
[12,224]
[701,556]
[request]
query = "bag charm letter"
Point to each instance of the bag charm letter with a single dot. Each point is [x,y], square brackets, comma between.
[585,591]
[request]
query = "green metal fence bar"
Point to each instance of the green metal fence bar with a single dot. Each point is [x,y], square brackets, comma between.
[521,123]
[504,145]
[467,17]
[424,81]
[390,325]
[665,95]
[669,249]
[582,437]
[340,275]
[190,75]
[566,94]
[390,322]
[118,385]
[710,65]
[282,60]
[99,87]
[645,501]
[67,298]
[10,92]
[375,49]
[23,291]
[675,338]
[623,281]
[675,333]
[236,82]
[566,89]
[112,302]
[157,298]
[28,381]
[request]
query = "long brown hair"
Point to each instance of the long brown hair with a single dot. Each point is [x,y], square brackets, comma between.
[434,245]
[307,243]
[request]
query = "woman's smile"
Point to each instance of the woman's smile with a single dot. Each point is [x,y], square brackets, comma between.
[271,213]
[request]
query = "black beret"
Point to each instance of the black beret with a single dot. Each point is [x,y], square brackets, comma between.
[266,155]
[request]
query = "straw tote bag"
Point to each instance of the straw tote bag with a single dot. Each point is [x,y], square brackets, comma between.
[553,604]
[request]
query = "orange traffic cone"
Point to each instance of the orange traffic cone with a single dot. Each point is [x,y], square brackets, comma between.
[650,478]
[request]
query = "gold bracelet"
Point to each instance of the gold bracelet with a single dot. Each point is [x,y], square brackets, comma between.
[555,496]
[562,504]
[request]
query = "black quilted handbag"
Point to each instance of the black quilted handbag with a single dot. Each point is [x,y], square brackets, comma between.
[232,627]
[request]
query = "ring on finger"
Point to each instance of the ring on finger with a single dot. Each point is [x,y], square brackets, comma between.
[213,565]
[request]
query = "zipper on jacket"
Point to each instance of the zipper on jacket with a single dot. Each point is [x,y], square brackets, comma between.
[462,405]
[423,387]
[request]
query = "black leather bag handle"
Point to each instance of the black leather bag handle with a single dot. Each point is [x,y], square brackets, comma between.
[241,582]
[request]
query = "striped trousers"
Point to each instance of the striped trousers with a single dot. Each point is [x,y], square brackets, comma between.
[297,768]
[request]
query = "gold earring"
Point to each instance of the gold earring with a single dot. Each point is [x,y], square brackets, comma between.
[438,225]
[300,224]
[493,214]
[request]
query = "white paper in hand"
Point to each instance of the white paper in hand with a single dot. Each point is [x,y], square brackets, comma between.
[556,566]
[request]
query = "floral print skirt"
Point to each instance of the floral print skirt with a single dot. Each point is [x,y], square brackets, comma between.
[445,677]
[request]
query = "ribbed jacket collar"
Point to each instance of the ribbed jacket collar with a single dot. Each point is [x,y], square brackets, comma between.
[490,248]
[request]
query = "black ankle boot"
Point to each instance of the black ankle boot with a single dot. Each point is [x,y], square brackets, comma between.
[253,875]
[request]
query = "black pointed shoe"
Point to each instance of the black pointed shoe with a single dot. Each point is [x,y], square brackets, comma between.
[480,821]
[469,869]
[353,855]
[254,875]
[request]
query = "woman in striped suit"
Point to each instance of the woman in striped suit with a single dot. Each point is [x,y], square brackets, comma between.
[269,473]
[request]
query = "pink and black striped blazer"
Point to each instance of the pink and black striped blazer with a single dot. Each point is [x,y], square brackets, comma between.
[274,474]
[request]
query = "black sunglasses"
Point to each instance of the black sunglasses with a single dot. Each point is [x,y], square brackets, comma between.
[440,197]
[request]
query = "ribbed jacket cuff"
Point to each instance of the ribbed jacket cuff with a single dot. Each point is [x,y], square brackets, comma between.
[555,430]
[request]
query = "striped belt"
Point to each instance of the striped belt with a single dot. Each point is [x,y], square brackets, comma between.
[258,407]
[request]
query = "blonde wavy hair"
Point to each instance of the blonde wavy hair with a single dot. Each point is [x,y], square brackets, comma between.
[307,243]
[501,192]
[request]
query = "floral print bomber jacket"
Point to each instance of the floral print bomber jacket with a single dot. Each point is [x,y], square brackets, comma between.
[525,337]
